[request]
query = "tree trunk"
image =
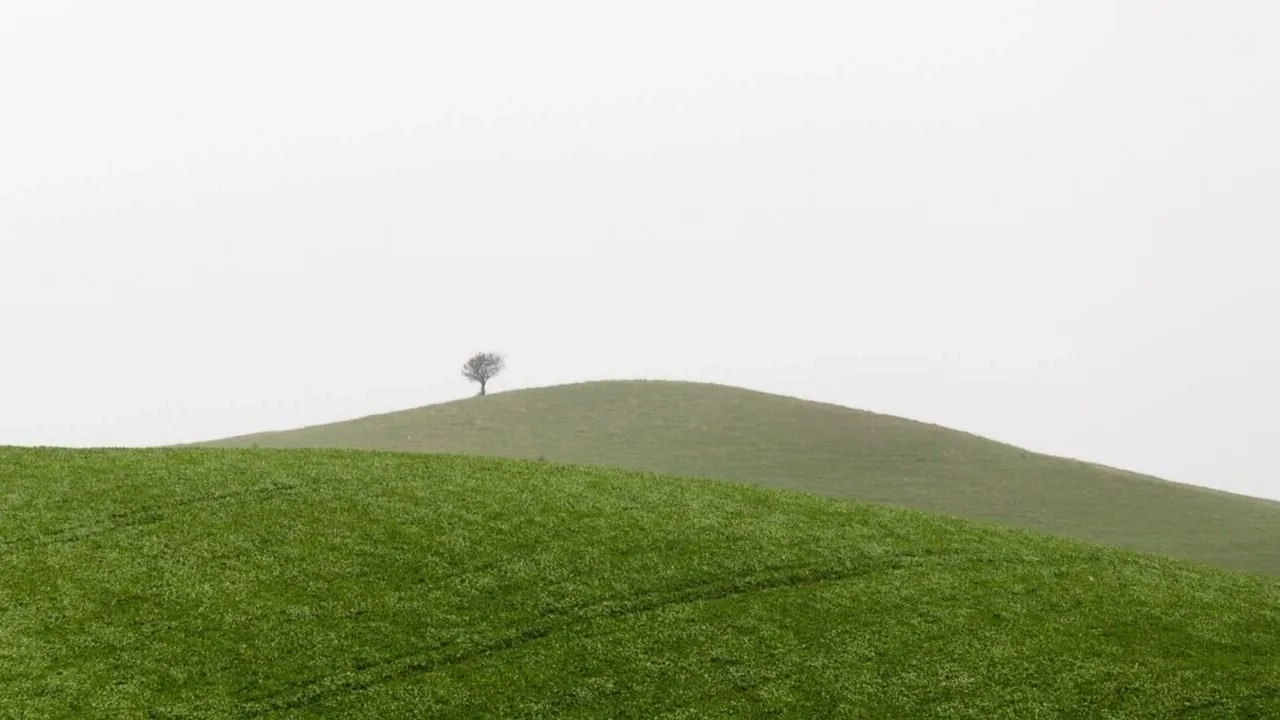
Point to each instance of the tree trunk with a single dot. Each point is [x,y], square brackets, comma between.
[482,387]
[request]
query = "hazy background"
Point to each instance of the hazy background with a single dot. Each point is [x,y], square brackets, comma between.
[1050,223]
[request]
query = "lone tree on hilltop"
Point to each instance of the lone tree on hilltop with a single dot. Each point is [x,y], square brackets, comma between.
[483,367]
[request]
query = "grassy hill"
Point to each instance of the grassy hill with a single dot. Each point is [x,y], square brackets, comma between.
[728,433]
[198,583]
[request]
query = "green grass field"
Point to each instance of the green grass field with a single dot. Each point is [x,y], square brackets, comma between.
[201,583]
[733,434]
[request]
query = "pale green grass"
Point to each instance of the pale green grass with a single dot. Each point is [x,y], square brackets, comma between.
[733,434]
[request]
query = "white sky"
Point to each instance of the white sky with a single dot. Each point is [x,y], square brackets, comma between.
[1051,223]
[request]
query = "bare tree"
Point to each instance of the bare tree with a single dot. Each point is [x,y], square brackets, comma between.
[482,367]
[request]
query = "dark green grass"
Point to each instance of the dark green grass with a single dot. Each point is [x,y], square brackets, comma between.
[210,583]
[732,434]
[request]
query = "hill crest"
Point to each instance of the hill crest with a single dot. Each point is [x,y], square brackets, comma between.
[727,433]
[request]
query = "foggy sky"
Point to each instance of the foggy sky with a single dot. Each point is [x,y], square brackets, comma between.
[1053,224]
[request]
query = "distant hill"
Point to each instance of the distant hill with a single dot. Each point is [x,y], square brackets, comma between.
[205,583]
[729,433]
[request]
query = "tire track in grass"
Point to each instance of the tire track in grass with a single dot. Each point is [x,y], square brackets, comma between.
[310,692]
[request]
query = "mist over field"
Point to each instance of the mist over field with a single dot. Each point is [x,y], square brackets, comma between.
[1051,224]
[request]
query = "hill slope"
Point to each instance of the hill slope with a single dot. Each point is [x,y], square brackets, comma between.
[216,584]
[728,433]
